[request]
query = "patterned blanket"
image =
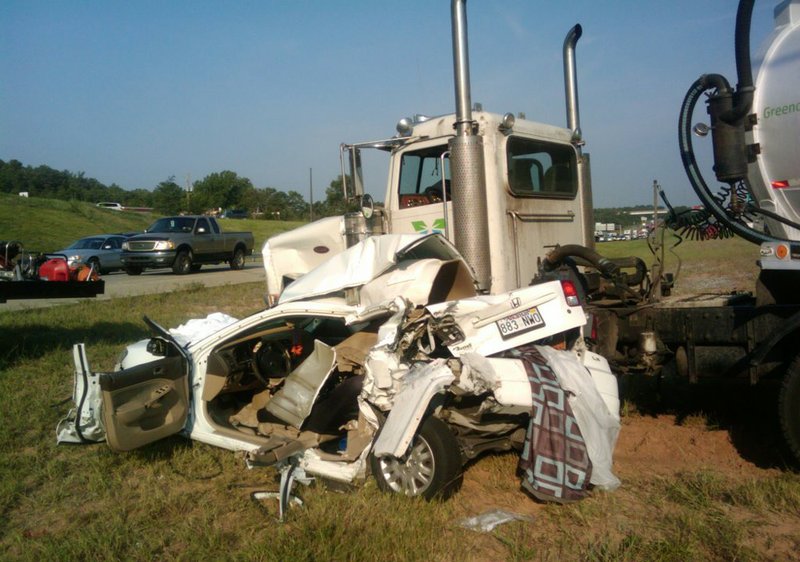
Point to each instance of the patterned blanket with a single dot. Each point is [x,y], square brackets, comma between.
[555,463]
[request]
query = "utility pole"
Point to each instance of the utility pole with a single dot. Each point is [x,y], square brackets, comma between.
[188,191]
[311,192]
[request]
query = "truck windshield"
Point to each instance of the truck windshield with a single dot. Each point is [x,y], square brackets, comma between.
[172,224]
[541,169]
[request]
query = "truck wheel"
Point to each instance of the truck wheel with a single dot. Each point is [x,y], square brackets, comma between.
[133,270]
[237,261]
[431,468]
[183,263]
[789,407]
[196,266]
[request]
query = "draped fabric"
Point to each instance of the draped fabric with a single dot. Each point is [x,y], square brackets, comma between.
[555,464]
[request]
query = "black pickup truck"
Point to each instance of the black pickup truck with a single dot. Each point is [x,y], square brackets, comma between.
[185,243]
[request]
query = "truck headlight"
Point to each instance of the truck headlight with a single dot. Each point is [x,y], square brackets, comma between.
[125,246]
[164,245]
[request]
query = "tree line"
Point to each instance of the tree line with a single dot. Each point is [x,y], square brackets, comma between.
[219,190]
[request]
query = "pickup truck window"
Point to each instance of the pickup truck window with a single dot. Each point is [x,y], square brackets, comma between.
[172,224]
[541,169]
[202,227]
[421,177]
[214,226]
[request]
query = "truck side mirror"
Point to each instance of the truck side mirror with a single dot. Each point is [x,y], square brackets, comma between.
[367,206]
[354,187]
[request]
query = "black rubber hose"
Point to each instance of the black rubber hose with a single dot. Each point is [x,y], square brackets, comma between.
[743,99]
[556,256]
[693,95]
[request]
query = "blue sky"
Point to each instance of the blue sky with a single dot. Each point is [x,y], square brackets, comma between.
[134,92]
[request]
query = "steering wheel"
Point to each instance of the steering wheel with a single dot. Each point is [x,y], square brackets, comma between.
[434,193]
[271,361]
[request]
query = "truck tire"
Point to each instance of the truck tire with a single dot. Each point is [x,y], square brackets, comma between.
[237,260]
[183,263]
[196,266]
[430,469]
[789,408]
[133,270]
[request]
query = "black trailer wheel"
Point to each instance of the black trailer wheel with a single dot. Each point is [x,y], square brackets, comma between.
[789,407]
[431,468]
[237,260]
[183,263]
[133,270]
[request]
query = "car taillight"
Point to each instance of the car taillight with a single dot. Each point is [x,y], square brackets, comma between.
[570,293]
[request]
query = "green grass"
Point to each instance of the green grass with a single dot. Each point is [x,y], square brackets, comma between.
[47,225]
[178,500]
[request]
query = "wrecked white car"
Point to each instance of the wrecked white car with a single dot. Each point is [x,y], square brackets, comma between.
[381,361]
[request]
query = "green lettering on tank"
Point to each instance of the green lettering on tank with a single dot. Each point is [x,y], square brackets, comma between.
[781,110]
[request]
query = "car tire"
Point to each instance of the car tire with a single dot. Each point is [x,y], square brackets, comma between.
[183,263]
[430,469]
[237,260]
[789,408]
[133,270]
[94,263]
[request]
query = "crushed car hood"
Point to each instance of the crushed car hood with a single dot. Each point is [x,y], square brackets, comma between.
[368,260]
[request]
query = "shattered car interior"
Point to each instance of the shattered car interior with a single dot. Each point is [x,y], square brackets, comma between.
[382,362]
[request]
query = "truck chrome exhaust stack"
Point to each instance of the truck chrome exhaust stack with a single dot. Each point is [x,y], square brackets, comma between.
[470,218]
[571,82]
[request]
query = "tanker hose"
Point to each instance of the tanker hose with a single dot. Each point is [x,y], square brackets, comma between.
[743,99]
[693,95]
[556,256]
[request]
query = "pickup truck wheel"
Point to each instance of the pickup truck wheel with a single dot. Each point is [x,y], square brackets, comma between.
[431,468]
[132,270]
[789,408]
[237,260]
[183,263]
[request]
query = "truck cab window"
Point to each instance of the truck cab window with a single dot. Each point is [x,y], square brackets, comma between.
[202,226]
[541,169]
[421,177]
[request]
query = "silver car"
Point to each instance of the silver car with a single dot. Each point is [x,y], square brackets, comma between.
[101,251]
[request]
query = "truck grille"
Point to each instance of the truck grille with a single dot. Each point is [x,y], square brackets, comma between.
[143,246]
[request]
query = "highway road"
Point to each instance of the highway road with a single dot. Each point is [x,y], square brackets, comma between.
[120,284]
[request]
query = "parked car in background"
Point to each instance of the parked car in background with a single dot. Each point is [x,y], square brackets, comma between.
[101,251]
[233,214]
[110,205]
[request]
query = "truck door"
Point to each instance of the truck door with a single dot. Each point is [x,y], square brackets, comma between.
[207,244]
[421,193]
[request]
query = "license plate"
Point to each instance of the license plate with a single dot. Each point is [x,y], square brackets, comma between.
[519,323]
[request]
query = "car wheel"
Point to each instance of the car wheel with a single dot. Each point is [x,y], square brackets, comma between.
[237,261]
[789,408]
[94,263]
[132,270]
[183,263]
[430,469]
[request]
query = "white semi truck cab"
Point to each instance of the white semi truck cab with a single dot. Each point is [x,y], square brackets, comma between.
[503,189]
